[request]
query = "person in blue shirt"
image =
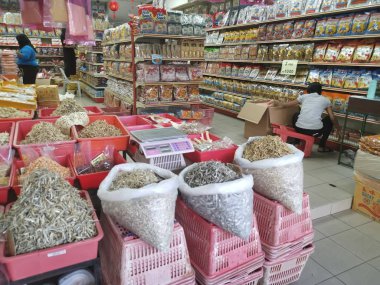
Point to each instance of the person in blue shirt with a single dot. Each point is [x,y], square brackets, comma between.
[26,61]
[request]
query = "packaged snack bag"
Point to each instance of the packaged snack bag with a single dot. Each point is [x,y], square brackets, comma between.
[278,31]
[327,5]
[344,26]
[262,32]
[339,4]
[363,53]
[180,93]
[167,72]
[309,28]
[351,80]
[346,53]
[282,9]
[312,6]
[313,75]
[320,28]
[375,58]
[166,94]
[332,52]
[331,27]
[297,7]
[288,29]
[365,79]
[325,77]
[360,23]
[374,24]
[338,78]
[150,94]
[298,29]
[319,52]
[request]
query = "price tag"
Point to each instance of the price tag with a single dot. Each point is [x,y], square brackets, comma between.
[156,59]
[289,67]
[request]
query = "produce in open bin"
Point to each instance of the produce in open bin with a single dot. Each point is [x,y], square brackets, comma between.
[221,194]
[6,159]
[277,169]
[141,198]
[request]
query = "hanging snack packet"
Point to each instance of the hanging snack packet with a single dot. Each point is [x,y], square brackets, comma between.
[309,28]
[320,28]
[346,53]
[338,78]
[363,53]
[360,23]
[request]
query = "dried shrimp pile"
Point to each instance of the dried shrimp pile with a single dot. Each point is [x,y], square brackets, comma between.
[134,179]
[44,132]
[49,212]
[9,112]
[370,144]
[266,147]
[4,138]
[193,128]
[68,106]
[211,172]
[44,162]
[99,128]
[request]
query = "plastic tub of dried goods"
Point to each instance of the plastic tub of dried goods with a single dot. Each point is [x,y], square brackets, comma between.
[224,155]
[92,180]
[119,142]
[24,127]
[116,111]
[46,113]
[40,261]
[18,164]
[8,127]
[30,117]
[170,118]
[4,190]
[135,122]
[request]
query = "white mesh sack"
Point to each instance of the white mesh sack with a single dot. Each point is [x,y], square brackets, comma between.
[148,211]
[279,179]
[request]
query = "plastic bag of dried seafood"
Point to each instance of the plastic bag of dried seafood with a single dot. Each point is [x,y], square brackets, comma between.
[228,204]
[148,211]
[280,178]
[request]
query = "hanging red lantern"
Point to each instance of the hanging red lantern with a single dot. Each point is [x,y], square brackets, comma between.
[113,6]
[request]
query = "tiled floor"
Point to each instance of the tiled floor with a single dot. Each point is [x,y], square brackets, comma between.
[347,244]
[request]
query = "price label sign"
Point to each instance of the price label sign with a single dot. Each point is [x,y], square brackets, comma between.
[289,67]
[156,59]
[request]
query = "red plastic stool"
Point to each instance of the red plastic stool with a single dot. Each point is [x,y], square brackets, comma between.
[285,132]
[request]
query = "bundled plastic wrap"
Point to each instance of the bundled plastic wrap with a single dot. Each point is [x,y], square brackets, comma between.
[367,164]
[280,179]
[229,205]
[31,12]
[55,13]
[149,211]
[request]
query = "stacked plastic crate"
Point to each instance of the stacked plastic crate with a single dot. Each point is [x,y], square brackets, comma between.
[286,239]
[219,257]
[126,259]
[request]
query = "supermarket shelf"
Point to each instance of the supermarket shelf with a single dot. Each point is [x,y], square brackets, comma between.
[37,46]
[139,59]
[222,110]
[30,37]
[93,74]
[226,92]
[119,60]
[172,104]
[345,142]
[300,17]
[121,41]
[94,63]
[95,99]
[48,56]
[93,51]
[169,83]
[231,60]
[120,77]
[191,4]
[91,85]
[351,91]
[357,118]
[166,36]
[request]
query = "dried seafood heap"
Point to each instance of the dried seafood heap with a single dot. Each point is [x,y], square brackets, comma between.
[4,138]
[370,144]
[9,112]
[44,162]
[266,147]
[99,128]
[211,172]
[44,132]
[68,106]
[134,179]
[193,128]
[49,212]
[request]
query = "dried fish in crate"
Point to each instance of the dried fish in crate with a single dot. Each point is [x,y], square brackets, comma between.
[68,106]
[134,179]
[266,147]
[4,138]
[219,193]
[99,128]
[9,112]
[44,132]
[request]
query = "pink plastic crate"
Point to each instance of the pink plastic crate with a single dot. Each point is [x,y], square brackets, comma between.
[4,190]
[8,127]
[136,122]
[277,224]
[41,261]
[126,259]
[287,270]
[119,142]
[208,115]
[24,127]
[116,111]
[46,113]
[92,180]
[18,164]
[214,251]
[30,117]
[223,155]
[166,116]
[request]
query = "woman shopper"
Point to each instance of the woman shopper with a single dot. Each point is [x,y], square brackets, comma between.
[309,120]
[26,61]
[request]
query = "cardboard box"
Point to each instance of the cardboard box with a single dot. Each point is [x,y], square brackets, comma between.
[43,81]
[258,118]
[367,196]
[47,95]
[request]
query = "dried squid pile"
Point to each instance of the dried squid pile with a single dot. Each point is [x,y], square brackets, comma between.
[266,147]
[4,138]
[134,179]
[49,212]
[44,132]
[68,106]
[9,112]
[99,128]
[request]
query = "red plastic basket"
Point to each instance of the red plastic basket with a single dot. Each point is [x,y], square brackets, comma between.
[46,113]
[116,111]
[8,127]
[18,164]
[277,224]
[208,115]
[92,180]
[223,155]
[287,270]
[119,142]
[214,251]
[166,116]
[136,122]
[24,127]
[126,259]
[30,117]
[41,261]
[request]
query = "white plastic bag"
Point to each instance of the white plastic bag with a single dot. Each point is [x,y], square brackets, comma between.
[229,205]
[367,163]
[280,179]
[149,211]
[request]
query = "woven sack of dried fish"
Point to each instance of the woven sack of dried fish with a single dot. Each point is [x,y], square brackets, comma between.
[228,205]
[367,164]
[148,211]
[280,178]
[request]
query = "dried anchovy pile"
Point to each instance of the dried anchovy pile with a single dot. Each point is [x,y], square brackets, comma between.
[44,132]
[266,147]
[193,128]
[209,172]
[49,212]
[4,138]
[99,128]
[44,162]
[68,106]
[9,112]
[134,179]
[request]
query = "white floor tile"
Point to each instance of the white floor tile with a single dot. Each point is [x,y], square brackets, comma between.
[363,246]
[309,181]
[329,192]
[327,175]
[321,211]
[329,226]
[342,170]
[333,257]
[375,263]
[315,199]
[332,281]
[371,229]
[311,164]
[352,218]
[346,184]
[313,274]
[341,205]
[318,235]
[363,275]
